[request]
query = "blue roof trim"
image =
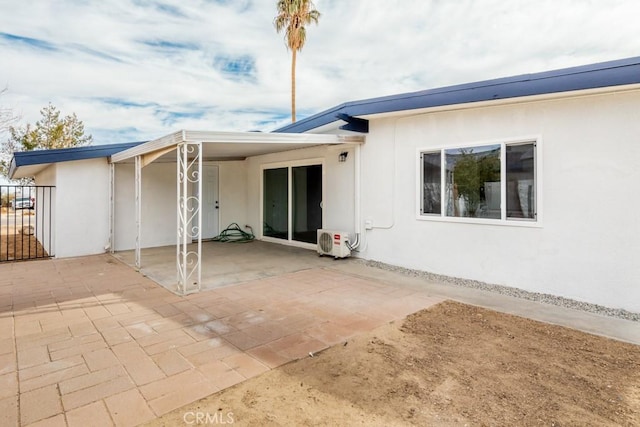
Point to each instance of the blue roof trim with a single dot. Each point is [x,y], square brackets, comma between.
[39,157]
[604,74]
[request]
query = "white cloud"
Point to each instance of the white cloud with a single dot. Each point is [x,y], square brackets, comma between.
[138,69]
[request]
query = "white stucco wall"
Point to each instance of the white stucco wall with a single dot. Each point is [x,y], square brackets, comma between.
[46,209]
[159,216]
[81,215]
[338,184]
[158,206]
[588,240]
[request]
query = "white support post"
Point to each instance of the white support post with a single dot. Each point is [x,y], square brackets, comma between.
[138,208]
[112,209]
[188,262]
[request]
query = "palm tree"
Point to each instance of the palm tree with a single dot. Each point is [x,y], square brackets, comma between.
[294,15]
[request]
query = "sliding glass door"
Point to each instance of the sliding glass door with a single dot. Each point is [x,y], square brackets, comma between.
[292,203]
[276,203]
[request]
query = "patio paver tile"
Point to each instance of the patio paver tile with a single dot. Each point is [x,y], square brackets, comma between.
[47,368]
[6,344]
[116,335]
[96,392]
[55,421]
[106,323]
[39,404]
[182,396]
[129,409]
[221,374]
[170,384]
[217,353]
[53,377]
[140,330]
[144,372]
[244,341]
[27,328]
[79,349]
[329,332]
[201,346]
[9,411]
[33,357]
[73,342]
[8,385]
[91,379]
[246,365]
[94,414]
[44,338]
[268,356]
[167,310]
[140,366]
[96,312]
[159,337]
[297,346]
[200,332]
[177,342]
[8,363]
[171,362]
[100,359]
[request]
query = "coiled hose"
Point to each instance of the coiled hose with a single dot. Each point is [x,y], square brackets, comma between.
[234,234]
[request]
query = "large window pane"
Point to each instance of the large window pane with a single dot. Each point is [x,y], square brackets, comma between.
[431,183]
[521,189]
[473,187]
[307,202]
[275,203]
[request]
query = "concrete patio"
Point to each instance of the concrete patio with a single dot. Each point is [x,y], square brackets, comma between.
[90,341]
[228,263]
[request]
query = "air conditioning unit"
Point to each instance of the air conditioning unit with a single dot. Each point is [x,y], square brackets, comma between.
[333,243]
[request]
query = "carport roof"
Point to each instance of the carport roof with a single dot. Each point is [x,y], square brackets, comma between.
[29,163]
[232,145]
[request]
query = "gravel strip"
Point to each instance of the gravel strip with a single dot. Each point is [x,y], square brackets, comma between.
[513,292]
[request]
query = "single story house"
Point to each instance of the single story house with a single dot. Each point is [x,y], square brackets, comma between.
[524,181]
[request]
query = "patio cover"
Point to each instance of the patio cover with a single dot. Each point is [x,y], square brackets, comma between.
[191,149]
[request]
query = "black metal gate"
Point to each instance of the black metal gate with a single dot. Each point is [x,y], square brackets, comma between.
[26,223]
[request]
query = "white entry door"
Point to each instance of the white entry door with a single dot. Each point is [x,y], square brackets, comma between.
[210,205]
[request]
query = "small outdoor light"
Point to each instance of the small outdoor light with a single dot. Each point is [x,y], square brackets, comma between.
[343,156]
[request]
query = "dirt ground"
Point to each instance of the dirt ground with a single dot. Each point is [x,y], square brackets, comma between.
[453,364]
[19,246]
[14,245]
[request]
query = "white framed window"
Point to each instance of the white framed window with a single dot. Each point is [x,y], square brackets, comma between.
[494,182]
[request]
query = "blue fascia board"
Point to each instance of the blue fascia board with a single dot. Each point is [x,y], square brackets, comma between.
[28,158]
[593,76]
[39,157]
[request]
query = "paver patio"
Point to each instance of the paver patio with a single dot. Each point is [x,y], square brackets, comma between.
[90,341]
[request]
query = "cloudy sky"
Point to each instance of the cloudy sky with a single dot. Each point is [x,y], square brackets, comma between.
[139,69]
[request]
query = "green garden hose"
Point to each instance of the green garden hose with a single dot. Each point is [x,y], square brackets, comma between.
[234,234]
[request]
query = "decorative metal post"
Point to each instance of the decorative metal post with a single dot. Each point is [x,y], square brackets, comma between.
[189,172]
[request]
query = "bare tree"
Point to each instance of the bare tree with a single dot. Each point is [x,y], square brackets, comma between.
[7,118]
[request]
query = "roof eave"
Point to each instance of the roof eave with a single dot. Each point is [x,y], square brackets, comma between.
[612,74]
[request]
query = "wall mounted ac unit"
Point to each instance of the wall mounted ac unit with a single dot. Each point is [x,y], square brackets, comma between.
[333,243]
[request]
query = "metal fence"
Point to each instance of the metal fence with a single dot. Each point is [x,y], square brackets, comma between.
[26,222]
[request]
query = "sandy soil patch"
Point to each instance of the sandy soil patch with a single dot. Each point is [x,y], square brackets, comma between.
[452,364]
